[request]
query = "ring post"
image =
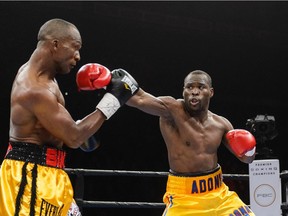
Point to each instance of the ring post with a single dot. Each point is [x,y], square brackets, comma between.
[265,187]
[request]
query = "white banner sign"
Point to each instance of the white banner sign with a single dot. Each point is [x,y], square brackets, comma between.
[265,187]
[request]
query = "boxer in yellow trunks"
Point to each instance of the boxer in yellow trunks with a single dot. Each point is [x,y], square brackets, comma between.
[193,134]
[32,179]
[202,194]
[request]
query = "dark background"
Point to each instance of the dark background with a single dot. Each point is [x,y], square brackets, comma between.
[242,45]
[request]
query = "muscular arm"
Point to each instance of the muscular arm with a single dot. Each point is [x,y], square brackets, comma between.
[150,104]
[48,114]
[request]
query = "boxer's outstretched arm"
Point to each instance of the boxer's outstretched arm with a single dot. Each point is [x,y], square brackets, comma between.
[150,104]
[120,86]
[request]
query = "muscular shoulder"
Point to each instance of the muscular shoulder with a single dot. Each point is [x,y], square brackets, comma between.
[169,100]
[30,95]
[171,103]
[174,107]
[32,84]
[221,120]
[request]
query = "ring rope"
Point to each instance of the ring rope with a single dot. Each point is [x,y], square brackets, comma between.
[93,172]
[80,173]
[114,204]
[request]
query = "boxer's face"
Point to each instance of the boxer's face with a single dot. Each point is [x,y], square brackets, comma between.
[67,52]
[197,92]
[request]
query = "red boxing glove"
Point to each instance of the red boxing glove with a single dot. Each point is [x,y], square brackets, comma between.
[93,76]
[241,141]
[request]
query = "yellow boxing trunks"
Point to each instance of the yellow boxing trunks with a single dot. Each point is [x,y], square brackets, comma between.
[202,194]
[33,182]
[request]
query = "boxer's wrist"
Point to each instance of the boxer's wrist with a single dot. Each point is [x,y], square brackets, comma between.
[108,105]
